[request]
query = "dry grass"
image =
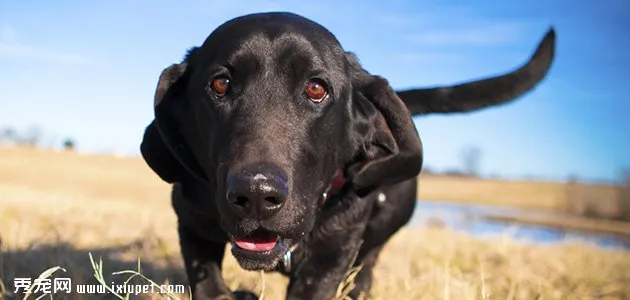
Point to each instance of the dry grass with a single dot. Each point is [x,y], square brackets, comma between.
[524,194]
[57,208]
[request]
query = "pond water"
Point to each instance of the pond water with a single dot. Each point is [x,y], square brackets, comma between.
[468,218]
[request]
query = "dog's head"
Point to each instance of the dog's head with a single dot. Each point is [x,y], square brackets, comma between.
[266,113]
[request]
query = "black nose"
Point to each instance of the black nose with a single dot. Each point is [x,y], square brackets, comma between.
[257,192]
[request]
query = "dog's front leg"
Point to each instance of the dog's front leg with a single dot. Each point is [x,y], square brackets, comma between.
[202,260]
[322,272]
[324,259]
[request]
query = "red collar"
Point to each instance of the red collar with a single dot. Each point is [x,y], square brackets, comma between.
[338,181]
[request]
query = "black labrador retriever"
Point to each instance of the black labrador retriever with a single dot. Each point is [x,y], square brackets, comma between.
[278,142]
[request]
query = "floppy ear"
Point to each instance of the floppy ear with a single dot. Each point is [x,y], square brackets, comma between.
[487,92]
[163,146]
[159,157]
[391,150]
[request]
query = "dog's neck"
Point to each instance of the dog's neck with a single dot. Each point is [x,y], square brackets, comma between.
[335,185]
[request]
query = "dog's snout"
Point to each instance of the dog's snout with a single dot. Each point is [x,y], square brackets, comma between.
[257,192]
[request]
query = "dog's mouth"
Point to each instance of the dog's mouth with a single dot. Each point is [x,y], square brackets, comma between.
[260,250]
[259,241]
[263,249]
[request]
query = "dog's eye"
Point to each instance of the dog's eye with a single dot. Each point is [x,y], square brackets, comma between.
[316,91]
[220,85]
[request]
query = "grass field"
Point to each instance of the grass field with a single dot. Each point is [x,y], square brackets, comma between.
[56,208]
[541,195]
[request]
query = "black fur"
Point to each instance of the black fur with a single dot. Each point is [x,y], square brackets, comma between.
[266,123]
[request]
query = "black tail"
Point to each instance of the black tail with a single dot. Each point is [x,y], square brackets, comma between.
[486,92]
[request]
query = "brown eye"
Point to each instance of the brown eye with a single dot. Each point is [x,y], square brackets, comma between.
[220,86]
[316,91]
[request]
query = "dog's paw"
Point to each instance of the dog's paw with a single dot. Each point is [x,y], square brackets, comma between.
[245,295]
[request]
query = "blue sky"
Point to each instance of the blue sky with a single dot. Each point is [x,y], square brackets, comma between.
[88,70]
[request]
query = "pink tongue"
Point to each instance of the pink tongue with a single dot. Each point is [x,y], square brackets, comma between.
[255,245]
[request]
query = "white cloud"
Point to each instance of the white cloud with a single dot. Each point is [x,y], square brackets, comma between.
[10,46]
[430,57]
[430,15]
[7,34]
[475,35]
[455,25]
[25,51]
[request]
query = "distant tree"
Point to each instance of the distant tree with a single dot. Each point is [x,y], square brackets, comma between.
[625,177]
[624,196]
[495,176]
[8,135]
[574,202]
[470,157]
[32,137]
[69,144]
[454,172]
[427,170]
